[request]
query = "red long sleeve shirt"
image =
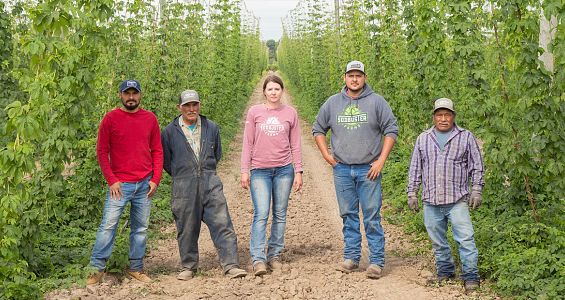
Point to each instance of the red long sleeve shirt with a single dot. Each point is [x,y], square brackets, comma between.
[129,146]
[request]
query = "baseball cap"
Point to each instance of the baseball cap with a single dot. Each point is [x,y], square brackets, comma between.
[355,65]
[188,96]
[130,84]
[444,103]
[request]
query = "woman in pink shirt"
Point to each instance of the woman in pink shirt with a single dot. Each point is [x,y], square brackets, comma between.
[271,164]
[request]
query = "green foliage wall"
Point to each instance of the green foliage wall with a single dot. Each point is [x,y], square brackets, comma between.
[67,57]
[8,84]
[484,56]
[272,45]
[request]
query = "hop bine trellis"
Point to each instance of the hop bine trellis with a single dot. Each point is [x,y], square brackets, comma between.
[61,62]
[486,56]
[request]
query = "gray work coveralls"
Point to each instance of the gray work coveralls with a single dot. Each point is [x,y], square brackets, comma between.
[198,194]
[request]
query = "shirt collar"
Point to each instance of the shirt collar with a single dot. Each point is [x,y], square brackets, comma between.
[456,129]
[182,124]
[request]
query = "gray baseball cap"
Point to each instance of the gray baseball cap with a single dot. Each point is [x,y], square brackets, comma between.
[355,65]
[444,103]
[188,96]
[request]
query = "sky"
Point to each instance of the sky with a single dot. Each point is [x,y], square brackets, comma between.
[270,14]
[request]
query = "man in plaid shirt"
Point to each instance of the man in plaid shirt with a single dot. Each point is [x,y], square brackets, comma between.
[447,162]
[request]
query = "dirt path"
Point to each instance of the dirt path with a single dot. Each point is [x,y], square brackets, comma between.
[313,247]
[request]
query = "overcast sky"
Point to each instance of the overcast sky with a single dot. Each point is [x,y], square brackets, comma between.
[270,14]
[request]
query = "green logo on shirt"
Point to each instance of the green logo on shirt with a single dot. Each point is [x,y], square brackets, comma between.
[352,117]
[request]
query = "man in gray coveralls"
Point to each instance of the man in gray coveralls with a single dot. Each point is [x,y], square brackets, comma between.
[192,149]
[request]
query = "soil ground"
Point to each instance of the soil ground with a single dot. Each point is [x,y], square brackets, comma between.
[313,247]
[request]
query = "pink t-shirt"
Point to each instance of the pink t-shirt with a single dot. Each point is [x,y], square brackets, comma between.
[271,138]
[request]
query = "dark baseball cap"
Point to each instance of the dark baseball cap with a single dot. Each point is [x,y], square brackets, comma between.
[130,84]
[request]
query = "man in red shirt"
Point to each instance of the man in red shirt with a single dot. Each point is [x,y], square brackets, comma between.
[131,158]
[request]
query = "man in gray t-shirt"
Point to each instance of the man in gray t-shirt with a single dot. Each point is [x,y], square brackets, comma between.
[364,131]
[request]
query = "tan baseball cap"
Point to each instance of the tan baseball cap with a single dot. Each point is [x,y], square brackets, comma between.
[189,96]
[444,103]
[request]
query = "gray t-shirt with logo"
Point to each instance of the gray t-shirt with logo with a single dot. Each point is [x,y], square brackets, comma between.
[358,125]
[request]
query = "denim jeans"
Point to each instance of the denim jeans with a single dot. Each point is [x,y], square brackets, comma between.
[436,218]
[354,189]
[136,193]
[270,185]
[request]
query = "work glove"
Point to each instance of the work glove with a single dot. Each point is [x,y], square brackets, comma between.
[475,199]
[413,203]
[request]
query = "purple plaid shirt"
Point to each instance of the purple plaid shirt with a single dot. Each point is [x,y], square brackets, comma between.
[444,175]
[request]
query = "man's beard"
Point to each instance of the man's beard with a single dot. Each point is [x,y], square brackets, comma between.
[130,107]
[357,89]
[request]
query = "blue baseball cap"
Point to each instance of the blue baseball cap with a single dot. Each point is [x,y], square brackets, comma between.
[130,84]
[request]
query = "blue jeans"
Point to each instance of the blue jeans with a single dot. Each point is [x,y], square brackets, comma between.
[436,218]
[354,189]
[270,185]
[136,193]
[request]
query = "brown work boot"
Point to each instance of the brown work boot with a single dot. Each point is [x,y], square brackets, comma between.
[259,268]
[185,275]
[374,272]
[347,266]
[236,273]
[275,264]
[139,275]
[95,278]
